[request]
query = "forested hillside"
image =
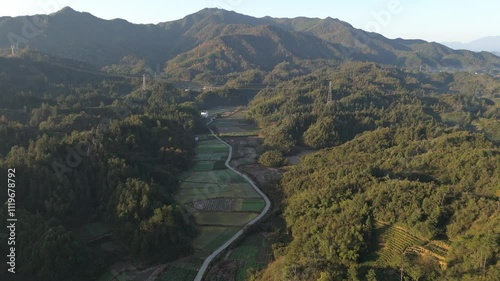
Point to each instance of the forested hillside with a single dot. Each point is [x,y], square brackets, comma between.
[91,150]
[366,97]
[437,185]
[410,188]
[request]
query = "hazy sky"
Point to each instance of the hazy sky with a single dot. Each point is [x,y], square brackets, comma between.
[436,20]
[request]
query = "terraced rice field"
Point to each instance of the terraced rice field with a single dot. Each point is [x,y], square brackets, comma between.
[394,241]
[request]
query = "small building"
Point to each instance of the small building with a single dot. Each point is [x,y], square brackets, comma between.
[204,114]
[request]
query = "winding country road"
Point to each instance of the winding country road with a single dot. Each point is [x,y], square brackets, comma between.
[209,259]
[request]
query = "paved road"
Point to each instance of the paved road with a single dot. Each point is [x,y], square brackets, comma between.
[209,259]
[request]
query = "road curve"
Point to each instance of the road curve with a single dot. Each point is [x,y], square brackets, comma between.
[208,260]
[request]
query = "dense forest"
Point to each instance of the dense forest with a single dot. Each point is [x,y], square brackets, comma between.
[88,147]
[366,97]
[405,153]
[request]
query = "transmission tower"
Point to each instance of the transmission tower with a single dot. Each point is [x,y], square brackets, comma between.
[330,95]
[13,49]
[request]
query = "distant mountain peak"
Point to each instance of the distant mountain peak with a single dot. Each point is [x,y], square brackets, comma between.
[215,11]
[67,10]
[331,19]
[489,44]
[68,13]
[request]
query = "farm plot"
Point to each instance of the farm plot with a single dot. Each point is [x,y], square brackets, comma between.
[196,191]
[203,191]
[202,156]
[217,176]
[203,166]
[221,109]
[208,177]
[247,191]
[218,156]
[221,156]
[234,127]
[175,273]
[250,205]
[439,248]
[255,252]
[223,219]
[228,176]
[212,205]
[394,241]
[210,148]
[212,237]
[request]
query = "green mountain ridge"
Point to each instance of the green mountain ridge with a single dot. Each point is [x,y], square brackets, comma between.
[262,47]
[182,46]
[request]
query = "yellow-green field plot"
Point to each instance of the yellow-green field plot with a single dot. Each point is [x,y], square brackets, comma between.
[250,205]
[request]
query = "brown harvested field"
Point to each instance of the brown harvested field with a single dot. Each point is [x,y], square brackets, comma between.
[246,152]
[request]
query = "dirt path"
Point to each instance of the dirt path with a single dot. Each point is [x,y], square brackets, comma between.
[209,259]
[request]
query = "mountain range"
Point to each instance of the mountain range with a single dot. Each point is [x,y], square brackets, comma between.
[488,44]
[215,42]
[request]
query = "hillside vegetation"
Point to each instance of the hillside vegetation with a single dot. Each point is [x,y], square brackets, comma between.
[399,192]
